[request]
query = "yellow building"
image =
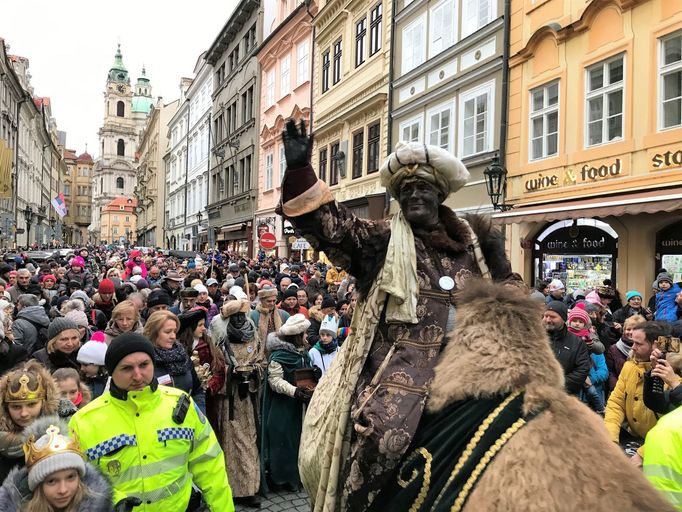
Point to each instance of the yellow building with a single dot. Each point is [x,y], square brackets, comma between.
[118,221]
[77,187]
[594,154]
[350,100]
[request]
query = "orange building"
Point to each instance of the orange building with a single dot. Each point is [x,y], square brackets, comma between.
[119,221]
[594,155]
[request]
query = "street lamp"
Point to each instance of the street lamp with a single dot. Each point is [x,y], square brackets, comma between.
[28,215]
[496,184]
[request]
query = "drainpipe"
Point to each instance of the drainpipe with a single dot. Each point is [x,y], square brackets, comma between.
[189,108]
[504,121]
[391,73]
[312,67]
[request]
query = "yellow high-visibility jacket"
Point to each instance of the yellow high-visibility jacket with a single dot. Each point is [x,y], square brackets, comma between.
[144,453]
[663,457]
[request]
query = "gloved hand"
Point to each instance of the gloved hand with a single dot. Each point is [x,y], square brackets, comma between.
[317,373]
[302,395]
[127,504]
[298,146]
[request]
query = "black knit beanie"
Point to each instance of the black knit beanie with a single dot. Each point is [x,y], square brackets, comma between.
[124,345]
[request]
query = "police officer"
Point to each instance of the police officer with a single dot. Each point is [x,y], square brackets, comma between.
[151,441]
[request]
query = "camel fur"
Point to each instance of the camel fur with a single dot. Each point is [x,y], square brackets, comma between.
[563,459]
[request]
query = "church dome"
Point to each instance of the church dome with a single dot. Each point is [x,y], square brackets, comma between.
[142,104]
[118,72]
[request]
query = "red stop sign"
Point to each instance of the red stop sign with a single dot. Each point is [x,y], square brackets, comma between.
[268,241]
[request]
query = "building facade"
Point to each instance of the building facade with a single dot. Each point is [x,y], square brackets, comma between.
[595,142]
[77,190]
[235,139]
[118,221]
[448,84]
[125,114]
[285,61]
[150,189]
[175,161]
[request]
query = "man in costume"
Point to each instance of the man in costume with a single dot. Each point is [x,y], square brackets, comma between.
[365,413]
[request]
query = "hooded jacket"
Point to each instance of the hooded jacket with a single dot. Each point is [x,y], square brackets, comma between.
[25,327]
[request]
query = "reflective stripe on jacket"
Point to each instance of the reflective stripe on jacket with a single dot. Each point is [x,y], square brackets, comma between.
[663,457]
[144,453]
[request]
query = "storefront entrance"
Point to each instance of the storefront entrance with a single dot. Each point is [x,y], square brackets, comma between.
[581,253]
[669,250]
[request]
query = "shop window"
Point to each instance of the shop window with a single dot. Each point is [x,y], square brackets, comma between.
[544,121]
[604,102]
[669,250]
[670,81]
[476,112]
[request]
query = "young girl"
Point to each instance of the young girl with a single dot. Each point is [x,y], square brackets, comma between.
[91,358]
[71,387]
[593,389]
[56,477]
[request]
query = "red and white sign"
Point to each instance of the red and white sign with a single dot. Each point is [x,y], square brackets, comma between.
[268,241]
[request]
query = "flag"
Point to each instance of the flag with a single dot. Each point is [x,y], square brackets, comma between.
[6,159]
[60,205]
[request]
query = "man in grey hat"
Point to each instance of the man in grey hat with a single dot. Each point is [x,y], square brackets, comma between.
[407,269]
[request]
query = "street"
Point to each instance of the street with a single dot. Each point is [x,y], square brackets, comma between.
[281,502]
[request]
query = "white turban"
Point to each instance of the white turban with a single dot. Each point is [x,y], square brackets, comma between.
[430,163]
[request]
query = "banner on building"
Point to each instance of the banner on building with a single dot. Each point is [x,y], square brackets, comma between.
[60,205]
[6,159]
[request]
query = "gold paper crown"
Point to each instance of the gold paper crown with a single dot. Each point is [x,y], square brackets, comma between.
[56,444]
[26,394]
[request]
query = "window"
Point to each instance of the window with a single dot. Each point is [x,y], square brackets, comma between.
[375,30]
[604,102]
[334,174]
[336,75]
[119,182]
[282,163]
[127,218]
[476,119]
[268,171]
[325,71]
[220,74]
[413,44]
[284,76]
[544,121]
[442,26]
[670,82]
[247,173]
[358,146]
[67,189]
[114,230]
[302,52]
[360,33]
[270,88]
[120,109]
[323,164]
[476,14]
[120,148]
[373,134]
[247,105]
[411,130]
[439,126]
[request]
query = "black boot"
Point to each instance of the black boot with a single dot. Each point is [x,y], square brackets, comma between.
[248,501]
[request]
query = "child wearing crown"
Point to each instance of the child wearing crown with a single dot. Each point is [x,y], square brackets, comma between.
[26,393]
[56,477]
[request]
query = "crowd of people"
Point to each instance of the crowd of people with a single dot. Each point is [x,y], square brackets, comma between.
[98,349]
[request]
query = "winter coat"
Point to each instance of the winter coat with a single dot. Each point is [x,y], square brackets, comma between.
[84,277]
[188,382]
[615,359]
[96,384]
[112,330]
[599,375]
[626,403]
[25,327]
[315,316]
[56,360]
[574,358]
[11,355]
[666,307]
[15,492]
[622,314]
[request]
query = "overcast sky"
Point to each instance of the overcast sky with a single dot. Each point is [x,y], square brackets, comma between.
[71,46]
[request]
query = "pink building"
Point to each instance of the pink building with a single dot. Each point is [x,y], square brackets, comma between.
[285,59]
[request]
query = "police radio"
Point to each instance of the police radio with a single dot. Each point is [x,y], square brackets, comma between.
[181,408]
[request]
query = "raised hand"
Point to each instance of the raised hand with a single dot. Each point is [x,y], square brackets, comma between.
[298,145]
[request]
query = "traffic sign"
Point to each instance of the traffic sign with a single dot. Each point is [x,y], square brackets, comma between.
[268,241]
[300,244]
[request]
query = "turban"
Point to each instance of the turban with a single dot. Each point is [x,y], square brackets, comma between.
[430,163]
[232,307]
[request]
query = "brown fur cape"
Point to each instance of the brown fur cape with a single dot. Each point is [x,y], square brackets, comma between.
[563,459]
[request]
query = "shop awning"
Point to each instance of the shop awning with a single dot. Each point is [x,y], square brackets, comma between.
[233,227]
[650,201]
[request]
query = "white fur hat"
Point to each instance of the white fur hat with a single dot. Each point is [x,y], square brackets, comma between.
[296,324]
[93,352]
[200,288]
[238,293]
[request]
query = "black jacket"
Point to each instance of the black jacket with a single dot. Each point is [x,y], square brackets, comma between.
[188,382]
[57,360]
[660,403]
[574,358]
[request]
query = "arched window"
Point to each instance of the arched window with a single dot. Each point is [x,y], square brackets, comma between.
[120,109]
[121,148]
[119,182]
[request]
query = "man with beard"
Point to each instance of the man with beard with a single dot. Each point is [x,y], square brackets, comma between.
[236,335]
[23,281]
[570,351]
[267,317]
[407,270]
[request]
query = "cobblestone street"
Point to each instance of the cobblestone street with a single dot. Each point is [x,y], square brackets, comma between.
[281,502]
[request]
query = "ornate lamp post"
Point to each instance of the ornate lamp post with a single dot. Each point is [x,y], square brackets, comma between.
[29,214]
[199,218]
[496,184]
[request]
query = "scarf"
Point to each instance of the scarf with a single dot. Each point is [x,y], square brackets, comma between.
[244,333]
[174,359]
[79,398]
[624,347]
[268,321]
[582,333]
[327,348]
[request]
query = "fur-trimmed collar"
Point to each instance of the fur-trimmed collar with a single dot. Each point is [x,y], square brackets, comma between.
[275,343]
[451,234]
[315,313]
[498,345]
